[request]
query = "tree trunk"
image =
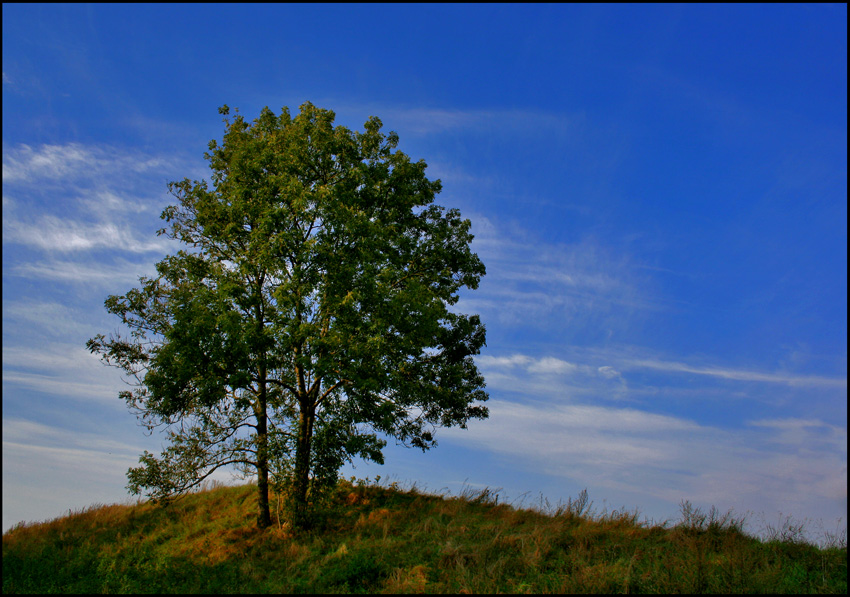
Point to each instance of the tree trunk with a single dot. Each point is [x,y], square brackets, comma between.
[264,518]
[301,514]
[263,515]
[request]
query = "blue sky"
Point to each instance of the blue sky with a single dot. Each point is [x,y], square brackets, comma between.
[659,194]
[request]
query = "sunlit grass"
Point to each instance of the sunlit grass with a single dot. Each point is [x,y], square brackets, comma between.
[385,539]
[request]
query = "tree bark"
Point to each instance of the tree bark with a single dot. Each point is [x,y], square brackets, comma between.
[264,518]
[263,515]
[302,468]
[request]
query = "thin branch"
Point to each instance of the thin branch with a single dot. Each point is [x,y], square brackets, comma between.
[331,389]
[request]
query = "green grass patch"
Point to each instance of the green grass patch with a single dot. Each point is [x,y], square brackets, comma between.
[382,539]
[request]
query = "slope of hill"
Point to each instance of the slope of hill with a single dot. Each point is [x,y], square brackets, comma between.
[384,539]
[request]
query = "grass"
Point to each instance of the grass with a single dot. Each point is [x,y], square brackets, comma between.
[383,539]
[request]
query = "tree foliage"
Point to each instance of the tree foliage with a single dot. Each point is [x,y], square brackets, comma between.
[308,316]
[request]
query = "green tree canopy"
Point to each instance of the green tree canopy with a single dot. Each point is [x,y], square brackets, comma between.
[308,316]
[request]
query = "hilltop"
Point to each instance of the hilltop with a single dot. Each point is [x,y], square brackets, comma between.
[376,539]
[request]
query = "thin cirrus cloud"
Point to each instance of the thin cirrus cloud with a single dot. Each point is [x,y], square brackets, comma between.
[545,365]
[71,162]
[105,200]
[667,457]
[90,387]
[36,455]
[553,416]
[584,285]
[48,317]
[118,274]
[85,463]
[51,233]
[738,374]
[504,368]
[429,121]
[108,198]
[21,432]
[61,369]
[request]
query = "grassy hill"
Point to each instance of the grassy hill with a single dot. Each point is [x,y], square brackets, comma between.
[383,539]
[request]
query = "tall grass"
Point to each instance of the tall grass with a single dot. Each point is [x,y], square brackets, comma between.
[385,539]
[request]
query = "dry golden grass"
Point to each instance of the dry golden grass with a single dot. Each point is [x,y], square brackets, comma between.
[385,540]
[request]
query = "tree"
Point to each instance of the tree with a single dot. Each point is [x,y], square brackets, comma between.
[309,315]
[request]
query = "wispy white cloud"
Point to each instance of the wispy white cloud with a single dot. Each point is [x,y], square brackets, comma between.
[453,175]
[59,357]
[75,199]
[551,365]
[565,437]
[737,374]
[501,362]
[24,432]
[671,458]
[88,466]
[62,369]
[550,378]
[85,273]
[72,161]
[808,434]
[594,374]
[51,318]
[37,458]
[427,121]
[106,200]
[578,286]
[51,233]
[609,372]
[54,384]
[554,414]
